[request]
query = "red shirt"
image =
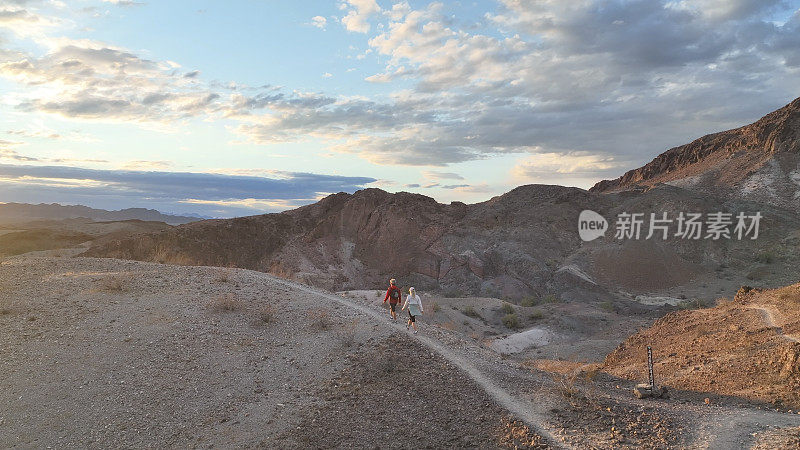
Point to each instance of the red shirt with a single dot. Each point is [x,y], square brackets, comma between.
[388,296]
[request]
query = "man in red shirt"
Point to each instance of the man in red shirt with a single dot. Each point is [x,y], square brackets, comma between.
[394,295]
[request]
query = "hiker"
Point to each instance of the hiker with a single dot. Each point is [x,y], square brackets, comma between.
[394,295]
[414,305]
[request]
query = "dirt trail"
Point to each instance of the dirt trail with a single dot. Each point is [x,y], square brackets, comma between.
[770,315]
[523,410]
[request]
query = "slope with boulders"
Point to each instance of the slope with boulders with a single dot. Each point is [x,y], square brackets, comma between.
[745,348]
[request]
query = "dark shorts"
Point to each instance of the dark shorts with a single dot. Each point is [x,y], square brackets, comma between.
[393,307]
[411,318]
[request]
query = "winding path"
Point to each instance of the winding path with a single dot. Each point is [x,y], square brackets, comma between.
[521,409]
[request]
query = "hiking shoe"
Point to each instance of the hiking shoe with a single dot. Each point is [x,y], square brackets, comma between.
[415,331]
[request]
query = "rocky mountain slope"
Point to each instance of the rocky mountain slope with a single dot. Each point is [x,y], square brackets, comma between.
[521,244]
[748,347]
[757,162]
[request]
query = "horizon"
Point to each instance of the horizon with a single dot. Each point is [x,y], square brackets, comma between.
[244,109]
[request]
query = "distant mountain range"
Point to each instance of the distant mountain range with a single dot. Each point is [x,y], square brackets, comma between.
[16,212]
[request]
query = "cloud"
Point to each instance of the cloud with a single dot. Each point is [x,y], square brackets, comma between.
[327,75]
[93,81]
[358,14]
[319,22]
[574,168]
[7,152]
[124,2]
[441,175]
[169,191]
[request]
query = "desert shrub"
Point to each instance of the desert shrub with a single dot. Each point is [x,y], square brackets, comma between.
[511,321]
[267,314]
[695,303]
[507,308]
[758,274]
[767,257]
[551,298]
[225,303]
[223,276]
[347,334]
[388,365]
[449,326]
[529,301]
[607,306]
[451,293]
[320,319]
[469,311]
[435,307]
[112,283]
[536,314]
[5,307]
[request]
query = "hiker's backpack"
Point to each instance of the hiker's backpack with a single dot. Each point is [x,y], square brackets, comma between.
[395,294]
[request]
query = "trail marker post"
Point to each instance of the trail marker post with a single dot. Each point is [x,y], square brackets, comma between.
[650,389]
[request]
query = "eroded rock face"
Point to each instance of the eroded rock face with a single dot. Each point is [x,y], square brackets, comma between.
[757,162]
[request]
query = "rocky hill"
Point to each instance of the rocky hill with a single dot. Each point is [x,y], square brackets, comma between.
[748,347]
[521,244]
[756,162]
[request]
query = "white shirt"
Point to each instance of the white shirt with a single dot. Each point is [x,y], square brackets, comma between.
[415,300]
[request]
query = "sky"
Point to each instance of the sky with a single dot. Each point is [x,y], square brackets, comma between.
[249,106]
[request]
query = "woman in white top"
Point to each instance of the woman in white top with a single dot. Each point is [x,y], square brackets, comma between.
[414,305]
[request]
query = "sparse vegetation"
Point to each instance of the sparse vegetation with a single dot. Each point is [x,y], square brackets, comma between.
[469,311]
[767,257]
[695,303]
[5,307]
[347,334]
[551,298]
[320,319]
[226,302]
[511,321]
[267,314]
[223,276]
[435,307]
[607,306]
[449,326]
[529,301]
[758,274]
[112,283]
[536,314]
[507,308]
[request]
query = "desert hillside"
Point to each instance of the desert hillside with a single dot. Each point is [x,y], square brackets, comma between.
[523,244]
[748,347]
[757,162]
[105,352]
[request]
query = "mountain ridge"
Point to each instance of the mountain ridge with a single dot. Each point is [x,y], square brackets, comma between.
[758,162]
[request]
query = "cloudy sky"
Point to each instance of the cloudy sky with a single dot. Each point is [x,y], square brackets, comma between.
[240,107]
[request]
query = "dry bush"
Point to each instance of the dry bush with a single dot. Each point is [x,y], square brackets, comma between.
[113,283]
[469,311]
[449,326]
[347,335]
[5,307]
[267,314]
[507,308]
[223,276]
[320,319]
[435,307]
[225,303]
[511,321]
